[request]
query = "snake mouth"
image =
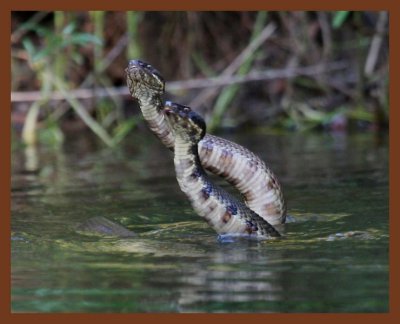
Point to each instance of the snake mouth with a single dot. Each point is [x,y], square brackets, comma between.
[143,80]
[135,80]
[182,118]
[169,108]
[168,112]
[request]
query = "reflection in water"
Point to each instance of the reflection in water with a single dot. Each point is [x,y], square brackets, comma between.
[337,192]
[228,282]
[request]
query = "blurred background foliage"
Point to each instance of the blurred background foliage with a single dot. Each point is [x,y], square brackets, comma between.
[295,71]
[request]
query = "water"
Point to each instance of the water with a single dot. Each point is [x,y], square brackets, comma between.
[334,258]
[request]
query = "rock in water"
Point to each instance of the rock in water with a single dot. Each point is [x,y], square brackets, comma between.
[100,225]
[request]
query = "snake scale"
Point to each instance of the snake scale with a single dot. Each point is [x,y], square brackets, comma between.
[239,166]
[223,212]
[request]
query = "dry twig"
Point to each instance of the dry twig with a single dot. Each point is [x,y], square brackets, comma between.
[174,86]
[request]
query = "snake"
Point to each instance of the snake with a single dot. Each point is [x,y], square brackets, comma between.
[223,212]
[260,188]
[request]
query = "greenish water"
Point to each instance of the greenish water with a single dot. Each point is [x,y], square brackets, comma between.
[334,258]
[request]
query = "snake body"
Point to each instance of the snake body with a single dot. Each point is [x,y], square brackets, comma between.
[239,166]
[223,212]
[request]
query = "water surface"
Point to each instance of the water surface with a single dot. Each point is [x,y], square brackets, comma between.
[334,258]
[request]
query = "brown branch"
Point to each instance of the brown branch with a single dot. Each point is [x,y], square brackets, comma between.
[27,96]
[269,74]
[175,86]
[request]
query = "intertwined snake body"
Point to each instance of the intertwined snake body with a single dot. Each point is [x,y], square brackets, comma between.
[223,212]
[239,166]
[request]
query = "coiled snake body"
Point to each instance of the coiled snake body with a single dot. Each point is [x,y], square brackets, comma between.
[239,166]
[224,213]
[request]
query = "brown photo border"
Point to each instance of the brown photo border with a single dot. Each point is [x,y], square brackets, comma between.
[7,6]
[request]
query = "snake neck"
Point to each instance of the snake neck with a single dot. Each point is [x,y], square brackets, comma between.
[151,107]
[187,162]
[150,104]
[224,213]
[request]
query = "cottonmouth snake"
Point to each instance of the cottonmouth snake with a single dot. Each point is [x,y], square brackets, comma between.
[223,212]
[239,166]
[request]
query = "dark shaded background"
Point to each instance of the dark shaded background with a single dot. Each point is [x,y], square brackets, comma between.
[347,53]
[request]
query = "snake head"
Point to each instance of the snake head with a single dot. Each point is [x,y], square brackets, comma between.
[185,122]
[143,80]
